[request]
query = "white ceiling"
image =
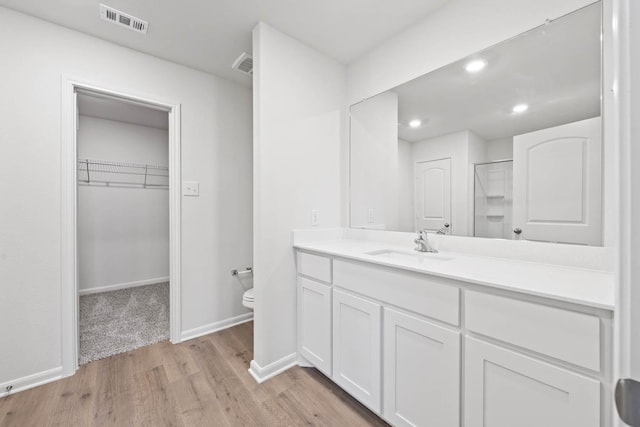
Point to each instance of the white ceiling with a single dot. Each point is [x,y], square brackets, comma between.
[121,111]
[554,68]
[209,35]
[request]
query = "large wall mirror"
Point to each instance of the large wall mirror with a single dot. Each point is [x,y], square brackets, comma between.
[505,143]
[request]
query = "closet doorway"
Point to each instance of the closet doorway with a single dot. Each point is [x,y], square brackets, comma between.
[123,226]
[121,208]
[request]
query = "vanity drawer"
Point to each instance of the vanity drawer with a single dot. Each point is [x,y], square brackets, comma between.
[431,296]
[563,334]
[316,266]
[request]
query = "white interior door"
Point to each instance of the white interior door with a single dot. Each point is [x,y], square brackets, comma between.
[433,194]
[557,183]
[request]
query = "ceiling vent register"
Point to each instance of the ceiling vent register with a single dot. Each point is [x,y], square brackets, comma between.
[115,16]
[244,64]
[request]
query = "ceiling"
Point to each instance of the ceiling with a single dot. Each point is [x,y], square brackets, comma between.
[555,69]
[101,107]
[209,35]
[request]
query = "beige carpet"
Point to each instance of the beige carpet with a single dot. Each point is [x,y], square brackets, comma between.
[117,321]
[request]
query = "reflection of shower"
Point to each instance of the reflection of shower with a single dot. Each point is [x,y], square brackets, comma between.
[493,199]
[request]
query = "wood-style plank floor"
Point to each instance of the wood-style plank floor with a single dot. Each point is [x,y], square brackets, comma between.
[201,382]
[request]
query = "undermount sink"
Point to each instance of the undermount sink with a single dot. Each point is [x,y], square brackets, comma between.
[399,255]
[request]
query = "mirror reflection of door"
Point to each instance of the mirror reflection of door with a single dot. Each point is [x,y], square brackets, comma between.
[557,183]
[433,194]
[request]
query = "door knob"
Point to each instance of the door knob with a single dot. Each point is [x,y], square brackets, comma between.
[517,230]
[627,398]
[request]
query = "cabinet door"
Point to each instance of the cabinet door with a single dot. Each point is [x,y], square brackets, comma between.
[505,389]
[356,347]
[557,174]
[314,323]
[421,372]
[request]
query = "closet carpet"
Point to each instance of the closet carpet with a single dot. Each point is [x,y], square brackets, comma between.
[117,321]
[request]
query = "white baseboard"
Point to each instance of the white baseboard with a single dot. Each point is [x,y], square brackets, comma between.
[122,285]
[30,381]
[261,374]
[215,327]
[304,363]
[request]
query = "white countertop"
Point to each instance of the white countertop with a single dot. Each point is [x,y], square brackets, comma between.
[586,287]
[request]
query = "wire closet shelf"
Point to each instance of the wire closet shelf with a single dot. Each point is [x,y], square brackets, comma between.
[118,174]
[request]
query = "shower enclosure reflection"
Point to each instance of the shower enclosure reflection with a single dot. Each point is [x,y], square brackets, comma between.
[493,199]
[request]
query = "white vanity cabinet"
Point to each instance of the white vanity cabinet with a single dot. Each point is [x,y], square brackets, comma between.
[314,322]
[421,372]
[314,310]
[423,350]
[504,388]
[357,347]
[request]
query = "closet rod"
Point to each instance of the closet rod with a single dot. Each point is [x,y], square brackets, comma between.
[110,163]
[121,184]
[109,173]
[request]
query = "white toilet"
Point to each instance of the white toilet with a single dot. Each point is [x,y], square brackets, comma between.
[247,299]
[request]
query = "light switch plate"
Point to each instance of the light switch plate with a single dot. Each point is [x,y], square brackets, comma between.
[371,215]
[190,188]
[315,217]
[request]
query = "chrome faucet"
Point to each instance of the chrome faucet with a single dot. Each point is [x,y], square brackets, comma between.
[422,242]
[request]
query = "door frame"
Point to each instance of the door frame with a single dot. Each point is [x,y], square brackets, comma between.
[627,131]
[69,301]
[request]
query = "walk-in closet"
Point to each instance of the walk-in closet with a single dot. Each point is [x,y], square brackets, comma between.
[122,226]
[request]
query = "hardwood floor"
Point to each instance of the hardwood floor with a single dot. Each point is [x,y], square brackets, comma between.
[201,382]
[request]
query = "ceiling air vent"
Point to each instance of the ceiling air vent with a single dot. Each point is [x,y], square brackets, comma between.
[244,63]
[131,22]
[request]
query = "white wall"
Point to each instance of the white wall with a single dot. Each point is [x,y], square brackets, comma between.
[216,150]
[123,233]
[374,163]
[406,182]
[455,30]
[499,149]
[298,131]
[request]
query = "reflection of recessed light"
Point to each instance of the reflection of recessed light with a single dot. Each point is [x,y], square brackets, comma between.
[520,108]
[415,123]
[475,66]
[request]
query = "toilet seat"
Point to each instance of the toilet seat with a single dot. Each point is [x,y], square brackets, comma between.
[248,299]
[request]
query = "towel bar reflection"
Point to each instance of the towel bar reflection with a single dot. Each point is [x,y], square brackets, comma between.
[239,273]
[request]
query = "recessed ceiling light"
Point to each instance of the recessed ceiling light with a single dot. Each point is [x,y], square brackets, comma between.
[475,66]
[520,108]
[416,123]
